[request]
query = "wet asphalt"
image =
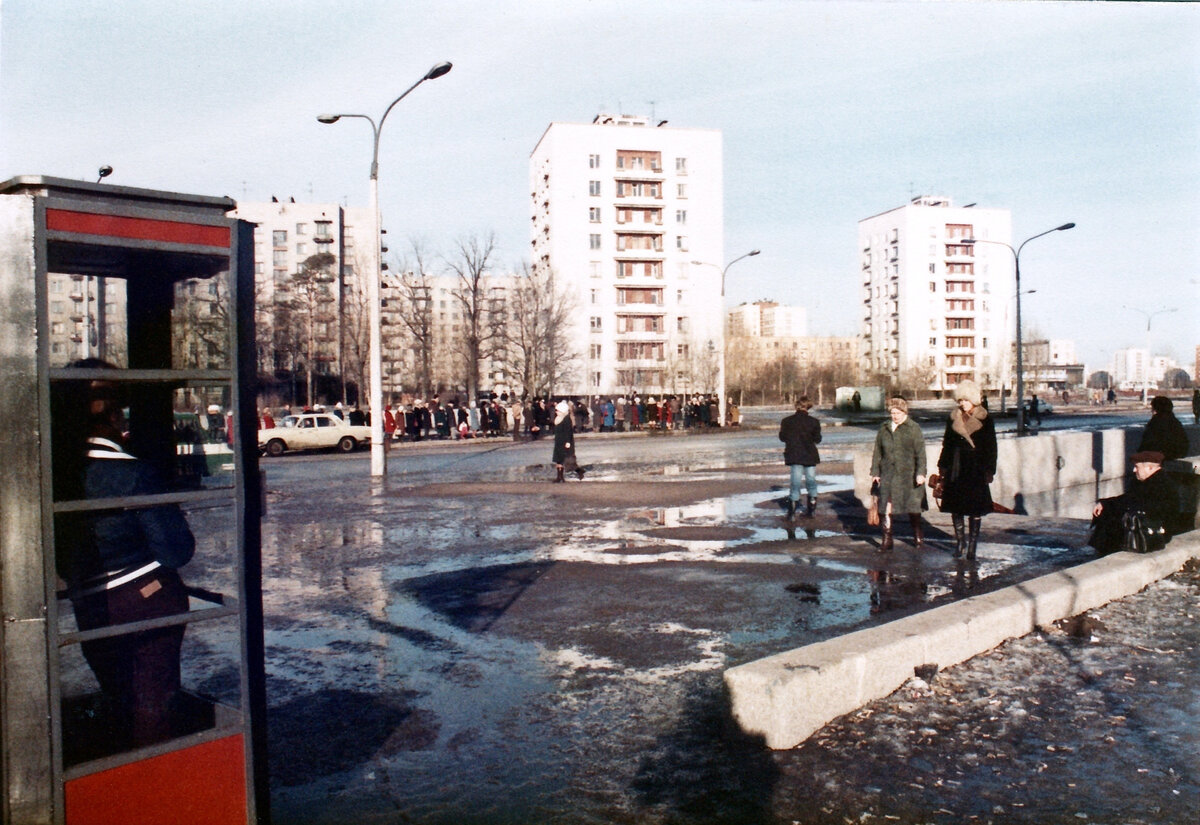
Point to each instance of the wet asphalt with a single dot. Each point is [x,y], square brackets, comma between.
[501,652]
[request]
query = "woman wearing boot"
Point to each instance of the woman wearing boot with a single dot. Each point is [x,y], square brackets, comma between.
[564,439]
[967,465]
[898,467]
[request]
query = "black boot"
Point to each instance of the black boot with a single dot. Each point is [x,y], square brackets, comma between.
[886,522]
[918,530]
[973,537]
[960,536]
[559,476]
[811,507]
[791,511]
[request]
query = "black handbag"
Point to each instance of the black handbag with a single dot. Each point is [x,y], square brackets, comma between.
[1142,533]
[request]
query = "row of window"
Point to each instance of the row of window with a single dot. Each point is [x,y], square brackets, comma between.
[626,214]
[649,243]
[637,189]
[637,350]
[279,237]
[639,323]
[638,160]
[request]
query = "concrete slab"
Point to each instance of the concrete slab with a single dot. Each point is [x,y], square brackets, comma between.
[787,697]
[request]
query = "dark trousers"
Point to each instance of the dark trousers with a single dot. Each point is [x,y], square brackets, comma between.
[139,671]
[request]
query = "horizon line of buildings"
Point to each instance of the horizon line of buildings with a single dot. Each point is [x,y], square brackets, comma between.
[628,214]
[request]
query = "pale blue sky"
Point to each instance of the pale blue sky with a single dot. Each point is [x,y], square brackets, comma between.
[831,112]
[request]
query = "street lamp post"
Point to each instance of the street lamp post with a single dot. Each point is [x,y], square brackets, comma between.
[378,454]
[1017,271]
[1149,354]
[721,401]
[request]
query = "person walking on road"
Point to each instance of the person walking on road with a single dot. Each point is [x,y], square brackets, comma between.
[967,465]
[800,434]
[898,467]
[564,442]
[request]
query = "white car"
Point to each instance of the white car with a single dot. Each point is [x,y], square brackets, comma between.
[1042,407]
[313,431]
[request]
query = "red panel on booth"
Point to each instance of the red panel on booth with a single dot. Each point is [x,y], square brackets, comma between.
[201,785]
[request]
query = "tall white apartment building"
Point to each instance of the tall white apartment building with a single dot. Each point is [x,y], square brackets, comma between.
[933,306]
[629,216]
[285,236]
[1130,368]
[768,319]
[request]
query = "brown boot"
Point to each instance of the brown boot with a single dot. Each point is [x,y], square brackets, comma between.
[886,522]
[918,530]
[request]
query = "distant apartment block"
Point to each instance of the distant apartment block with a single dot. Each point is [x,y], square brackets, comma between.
[931,304]
[87,319]
[1130,368]
[297,311]
[628,214]
[767,318]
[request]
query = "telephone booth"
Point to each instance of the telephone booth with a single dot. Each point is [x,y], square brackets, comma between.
[159,287]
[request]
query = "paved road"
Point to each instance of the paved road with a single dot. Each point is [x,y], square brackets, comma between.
[467,642]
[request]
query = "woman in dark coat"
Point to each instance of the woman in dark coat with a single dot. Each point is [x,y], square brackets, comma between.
[967,465]
[898,467]
[564,440]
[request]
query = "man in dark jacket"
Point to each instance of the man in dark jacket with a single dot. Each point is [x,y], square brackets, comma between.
[800,434]
[1164,434]
[1152,493]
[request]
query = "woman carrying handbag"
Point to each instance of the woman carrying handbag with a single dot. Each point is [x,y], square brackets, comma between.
[967,465]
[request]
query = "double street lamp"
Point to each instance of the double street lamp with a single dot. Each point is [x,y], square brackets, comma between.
[1149,355]
[378,454]
[721,402]
[1020,357]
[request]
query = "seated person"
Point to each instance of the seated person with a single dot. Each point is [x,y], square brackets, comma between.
[1164,433]
[1152,492]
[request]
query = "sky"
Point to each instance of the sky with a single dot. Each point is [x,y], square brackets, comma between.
[830,112]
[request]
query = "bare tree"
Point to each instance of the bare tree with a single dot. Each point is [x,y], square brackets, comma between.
[919,376]
[413,289]
[741,362]
[481,334]
[539,349]
[311,303]
[355,326]
[200,323]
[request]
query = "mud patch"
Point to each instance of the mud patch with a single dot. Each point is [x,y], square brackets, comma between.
[699,533]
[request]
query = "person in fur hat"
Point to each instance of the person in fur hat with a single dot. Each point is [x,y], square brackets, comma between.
[967,465]
[564,442]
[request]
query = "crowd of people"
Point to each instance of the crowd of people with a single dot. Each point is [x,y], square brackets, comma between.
[529,418]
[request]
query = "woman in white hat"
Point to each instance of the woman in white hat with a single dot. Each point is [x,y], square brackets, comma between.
[564,441]
[967,465]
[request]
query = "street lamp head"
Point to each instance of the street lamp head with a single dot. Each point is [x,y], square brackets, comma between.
[439,70]
[329,118]
[1064,226]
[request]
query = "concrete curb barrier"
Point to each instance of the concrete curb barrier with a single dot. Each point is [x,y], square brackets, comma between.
[789,696]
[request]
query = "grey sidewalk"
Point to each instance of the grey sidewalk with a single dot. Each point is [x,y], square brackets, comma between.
[1089,721]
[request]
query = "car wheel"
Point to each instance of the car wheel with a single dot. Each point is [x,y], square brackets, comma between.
[347,444]
[275,447]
